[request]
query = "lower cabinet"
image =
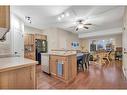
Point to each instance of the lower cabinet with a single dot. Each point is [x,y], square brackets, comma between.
[63,67]
[20,78]
[53,68]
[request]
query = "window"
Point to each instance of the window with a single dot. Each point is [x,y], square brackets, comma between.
[93,45]
[101,45]
[105,44]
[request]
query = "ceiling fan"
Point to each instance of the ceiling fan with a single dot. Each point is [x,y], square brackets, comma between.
[80,24]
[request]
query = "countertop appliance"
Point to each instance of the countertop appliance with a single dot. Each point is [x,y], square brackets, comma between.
[45,62]
[41,47]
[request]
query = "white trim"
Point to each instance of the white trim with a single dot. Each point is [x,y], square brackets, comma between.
[101,33]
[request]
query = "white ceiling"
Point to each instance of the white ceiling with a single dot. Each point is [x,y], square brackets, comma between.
[102,17]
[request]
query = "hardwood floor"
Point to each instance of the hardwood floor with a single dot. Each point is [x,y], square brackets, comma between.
[97,77]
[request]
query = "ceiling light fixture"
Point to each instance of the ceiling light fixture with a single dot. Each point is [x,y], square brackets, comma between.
[80,26]
[62,15]
[59,18]
[28,19]
[67,14]
[74,23]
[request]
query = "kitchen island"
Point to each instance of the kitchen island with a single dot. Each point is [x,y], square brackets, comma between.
[63,66]
[17,73]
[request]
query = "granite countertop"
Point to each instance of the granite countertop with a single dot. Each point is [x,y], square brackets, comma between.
[8,63]
[65,54]
[58,53]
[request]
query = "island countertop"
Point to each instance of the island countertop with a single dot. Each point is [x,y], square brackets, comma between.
[10,63]
[62,54]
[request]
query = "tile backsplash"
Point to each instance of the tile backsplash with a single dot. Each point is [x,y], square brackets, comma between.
[4,48]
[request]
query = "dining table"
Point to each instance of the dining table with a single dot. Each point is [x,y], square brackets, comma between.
[80,56]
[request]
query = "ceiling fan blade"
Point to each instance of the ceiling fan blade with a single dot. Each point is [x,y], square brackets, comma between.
[76,29]
[88,24]
[71,27]
[86,27]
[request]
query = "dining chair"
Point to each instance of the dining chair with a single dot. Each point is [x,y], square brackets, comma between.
[80,63]
[105,58]
[86,58]
[83,62]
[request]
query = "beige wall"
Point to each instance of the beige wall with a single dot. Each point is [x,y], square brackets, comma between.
[31,30]
[84,42]
[59,39]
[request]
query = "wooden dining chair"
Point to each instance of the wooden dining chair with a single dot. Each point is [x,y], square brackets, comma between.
[106,57]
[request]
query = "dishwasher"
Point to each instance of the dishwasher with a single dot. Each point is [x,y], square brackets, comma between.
[45,62]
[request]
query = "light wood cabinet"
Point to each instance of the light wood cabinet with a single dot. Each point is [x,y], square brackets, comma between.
[4,21]
[69,67]
[29,39]
[39,36]
[29,44]
[20,78]
[4,16]
[53,68]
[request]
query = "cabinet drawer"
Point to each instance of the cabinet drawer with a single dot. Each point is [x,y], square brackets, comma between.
[56,58]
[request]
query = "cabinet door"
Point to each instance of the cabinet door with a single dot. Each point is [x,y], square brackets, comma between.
[43,37]
[71,72]
[4,17]
[7,80]
[21,78]
[25,78]
[53,67]
[25,39]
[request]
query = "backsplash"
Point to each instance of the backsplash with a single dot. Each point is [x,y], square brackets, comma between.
[4,48]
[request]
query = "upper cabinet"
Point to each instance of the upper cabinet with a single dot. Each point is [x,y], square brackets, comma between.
[4,21]
[39,36]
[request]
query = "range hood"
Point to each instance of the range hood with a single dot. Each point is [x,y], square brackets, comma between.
[3,32]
